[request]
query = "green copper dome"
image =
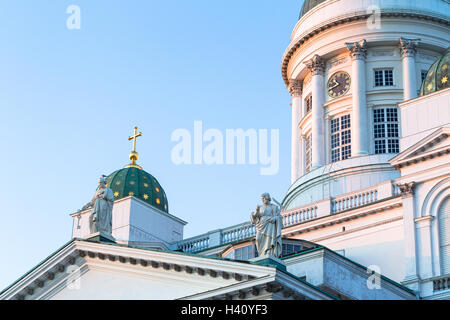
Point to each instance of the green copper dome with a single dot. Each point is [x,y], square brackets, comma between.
[133,181]
[437,76]
[308,5]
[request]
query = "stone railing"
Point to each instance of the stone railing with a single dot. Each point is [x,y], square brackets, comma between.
[299,215]
[292,217]
[353,200]
[238,232]
[442,283]
[194,244]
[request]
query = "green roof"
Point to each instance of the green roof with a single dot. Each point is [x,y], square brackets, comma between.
[133,181]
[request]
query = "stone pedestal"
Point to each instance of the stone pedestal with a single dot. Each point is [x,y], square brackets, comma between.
[100,236]
[269,260]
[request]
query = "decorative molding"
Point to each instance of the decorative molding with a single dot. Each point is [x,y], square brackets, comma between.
[315,65]
[408,47]
[407,189]
[358,50]
[295,88]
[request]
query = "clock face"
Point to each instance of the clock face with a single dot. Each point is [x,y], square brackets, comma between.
[338,84]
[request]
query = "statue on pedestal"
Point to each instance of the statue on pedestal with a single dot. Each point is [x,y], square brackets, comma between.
[268,222]
[100,219]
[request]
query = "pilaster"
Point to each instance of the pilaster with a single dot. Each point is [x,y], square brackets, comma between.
[316,66]
[408,52]
[360,142]
[295,89]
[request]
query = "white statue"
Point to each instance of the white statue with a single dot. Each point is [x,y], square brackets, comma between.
[100,219]
[268,222]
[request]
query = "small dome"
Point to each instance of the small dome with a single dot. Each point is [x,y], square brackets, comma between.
[133,181]
[308,5]
[437,76]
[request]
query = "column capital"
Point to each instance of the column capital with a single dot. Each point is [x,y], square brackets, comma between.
[358,50]
[315,65]
[295,87]
[407,189]
[408,47]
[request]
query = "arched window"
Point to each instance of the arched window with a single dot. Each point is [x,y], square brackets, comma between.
[444,235]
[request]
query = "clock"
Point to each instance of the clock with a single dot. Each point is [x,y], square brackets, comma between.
[338,84]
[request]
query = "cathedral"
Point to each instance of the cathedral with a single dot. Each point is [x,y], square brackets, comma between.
[367,214]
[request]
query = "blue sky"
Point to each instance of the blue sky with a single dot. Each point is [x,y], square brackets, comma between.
[70,98]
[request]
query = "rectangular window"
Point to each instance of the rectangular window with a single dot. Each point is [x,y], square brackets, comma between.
[308,104]
[386,130]
[308,153]
[383,77]
[341,138]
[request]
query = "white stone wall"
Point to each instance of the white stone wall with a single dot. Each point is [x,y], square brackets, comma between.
[372,240]
[135,220]
[421,116]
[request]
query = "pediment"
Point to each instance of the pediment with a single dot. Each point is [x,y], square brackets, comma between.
[434,145]
[94,270]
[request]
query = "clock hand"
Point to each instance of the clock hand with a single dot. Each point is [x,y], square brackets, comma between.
[336,85]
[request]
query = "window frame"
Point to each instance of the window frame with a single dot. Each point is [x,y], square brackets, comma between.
[383,77]
[340,138]
[384,137]
[308,103]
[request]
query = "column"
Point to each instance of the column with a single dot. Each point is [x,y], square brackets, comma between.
[411,271]
[360,141]
[408,52]
[317,67]
[295,89]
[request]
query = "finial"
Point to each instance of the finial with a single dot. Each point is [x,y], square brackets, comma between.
[133,154]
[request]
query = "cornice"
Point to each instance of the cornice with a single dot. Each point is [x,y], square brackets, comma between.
[286,285]
[362,15]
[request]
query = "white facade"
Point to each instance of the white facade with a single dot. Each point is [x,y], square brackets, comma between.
[135,222]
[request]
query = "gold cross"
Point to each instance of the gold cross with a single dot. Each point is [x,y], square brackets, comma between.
[134,137]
